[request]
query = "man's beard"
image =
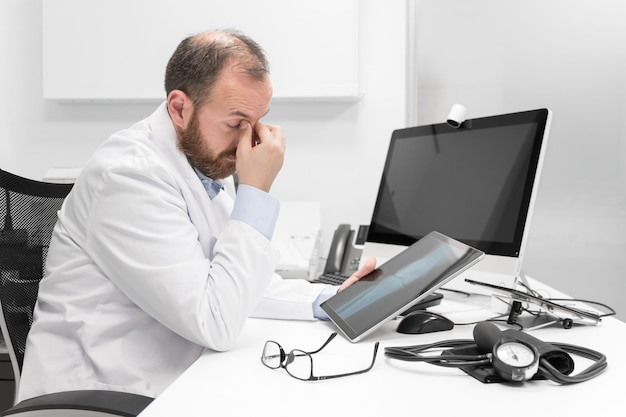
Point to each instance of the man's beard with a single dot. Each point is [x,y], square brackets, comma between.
[191,143]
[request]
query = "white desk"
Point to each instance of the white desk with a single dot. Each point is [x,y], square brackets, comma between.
[236,383]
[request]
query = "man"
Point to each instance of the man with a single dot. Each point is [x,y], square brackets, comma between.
[151,261]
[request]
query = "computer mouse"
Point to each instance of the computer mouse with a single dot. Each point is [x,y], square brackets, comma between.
[422,321]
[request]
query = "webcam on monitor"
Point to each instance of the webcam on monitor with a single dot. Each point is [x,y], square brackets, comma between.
[456,117]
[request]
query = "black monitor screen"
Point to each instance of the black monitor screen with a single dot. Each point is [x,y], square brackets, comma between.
[473,183]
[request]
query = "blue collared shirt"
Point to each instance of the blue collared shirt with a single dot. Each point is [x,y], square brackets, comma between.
[212,187]
[253,206]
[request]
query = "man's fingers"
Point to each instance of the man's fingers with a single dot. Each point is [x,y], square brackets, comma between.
[366,269]
[245,134]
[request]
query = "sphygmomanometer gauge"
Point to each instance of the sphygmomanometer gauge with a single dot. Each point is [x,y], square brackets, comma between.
[515,360]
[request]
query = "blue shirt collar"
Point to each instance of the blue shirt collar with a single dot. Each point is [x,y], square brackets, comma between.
[212,188]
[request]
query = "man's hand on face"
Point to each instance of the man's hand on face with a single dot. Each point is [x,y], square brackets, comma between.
[260,154]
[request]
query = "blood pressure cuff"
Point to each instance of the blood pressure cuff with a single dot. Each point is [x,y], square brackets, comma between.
[484,373]
[556,356]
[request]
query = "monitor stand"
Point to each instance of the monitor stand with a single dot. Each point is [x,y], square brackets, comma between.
[521,279]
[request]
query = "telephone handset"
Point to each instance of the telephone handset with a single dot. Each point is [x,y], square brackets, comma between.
[343,256]
[338,249]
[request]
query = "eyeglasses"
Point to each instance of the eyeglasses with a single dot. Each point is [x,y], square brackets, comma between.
[298,363]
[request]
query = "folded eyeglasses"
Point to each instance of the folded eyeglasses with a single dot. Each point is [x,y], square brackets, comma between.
[299,364]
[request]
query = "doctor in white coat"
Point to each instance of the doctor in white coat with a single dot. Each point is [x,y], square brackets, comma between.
[151,261]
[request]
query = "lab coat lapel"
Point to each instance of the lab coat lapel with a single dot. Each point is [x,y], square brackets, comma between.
[209,216]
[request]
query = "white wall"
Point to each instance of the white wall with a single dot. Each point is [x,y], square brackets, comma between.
[493,56]
[498,56]
[81,67]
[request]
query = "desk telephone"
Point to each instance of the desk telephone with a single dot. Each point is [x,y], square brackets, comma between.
[345,250]
[344,255]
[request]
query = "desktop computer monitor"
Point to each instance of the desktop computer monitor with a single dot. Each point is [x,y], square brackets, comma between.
[476,184]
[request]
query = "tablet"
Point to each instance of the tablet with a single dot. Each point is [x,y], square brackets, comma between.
[398,284]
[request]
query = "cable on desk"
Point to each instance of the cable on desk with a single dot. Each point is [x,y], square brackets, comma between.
[611,311]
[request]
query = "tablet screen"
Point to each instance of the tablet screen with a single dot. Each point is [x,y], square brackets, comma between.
[399,283]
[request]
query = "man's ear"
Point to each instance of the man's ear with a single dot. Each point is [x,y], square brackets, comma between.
[180,108]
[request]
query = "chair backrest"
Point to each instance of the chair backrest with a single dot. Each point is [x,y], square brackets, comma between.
[28,213]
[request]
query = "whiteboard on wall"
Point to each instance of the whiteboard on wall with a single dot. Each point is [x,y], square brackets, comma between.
[110,50]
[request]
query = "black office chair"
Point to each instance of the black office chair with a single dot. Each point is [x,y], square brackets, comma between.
[29,209]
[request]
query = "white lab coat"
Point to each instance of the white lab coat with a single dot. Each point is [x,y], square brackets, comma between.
[145,271]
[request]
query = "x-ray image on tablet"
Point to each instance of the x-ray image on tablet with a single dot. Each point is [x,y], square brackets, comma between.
[398,284]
